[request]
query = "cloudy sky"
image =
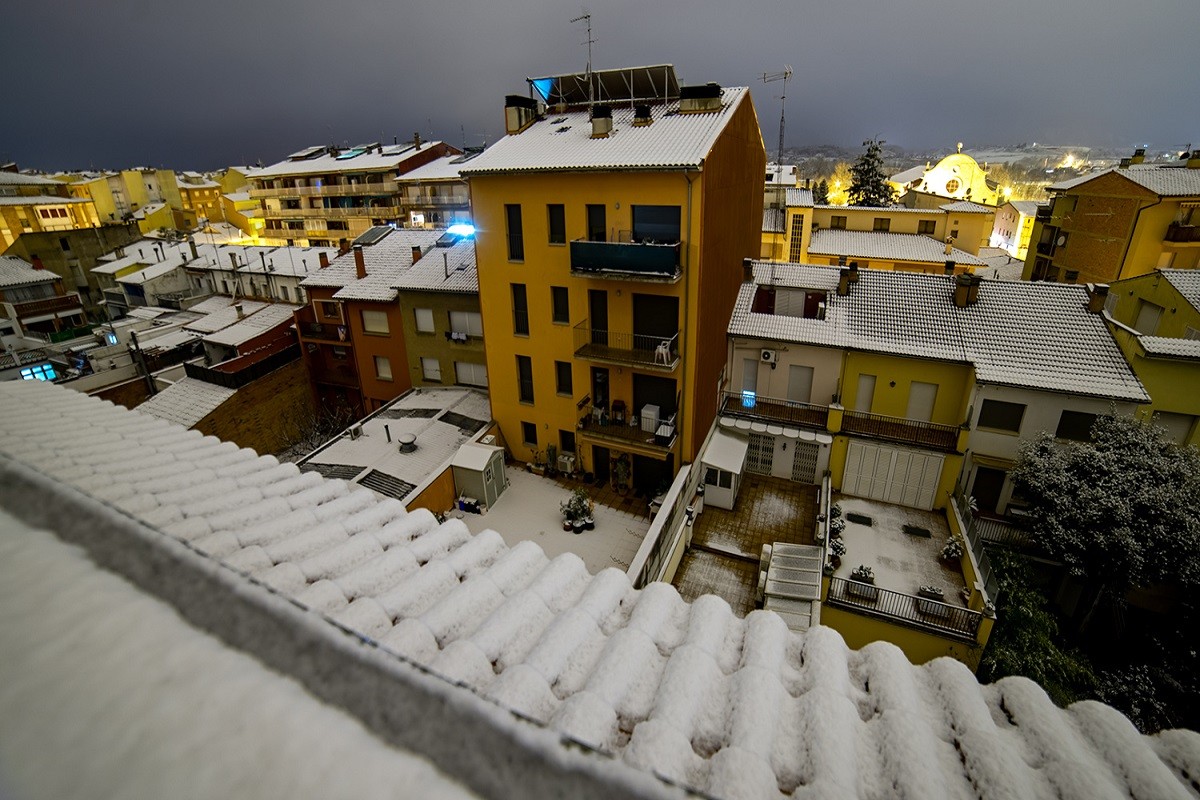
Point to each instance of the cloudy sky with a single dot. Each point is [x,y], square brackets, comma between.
[201,85]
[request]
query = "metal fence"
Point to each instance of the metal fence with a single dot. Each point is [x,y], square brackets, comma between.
[664,533]
[991,585]
[926,613]
[895,429]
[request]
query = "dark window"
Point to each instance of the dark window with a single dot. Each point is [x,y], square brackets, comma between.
[562,377]
[1075,425]
[597,226]
[837,223]
[566,442]
[525,379]
[558,224]
[529,433]
[1001,416]
[64,243]
[926,226]
[516,241]
[656,224]
[560,305]
[883,224]
[520,310]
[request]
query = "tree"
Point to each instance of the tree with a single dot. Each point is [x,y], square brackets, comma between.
[868,184]
[1121,511]
[821,192]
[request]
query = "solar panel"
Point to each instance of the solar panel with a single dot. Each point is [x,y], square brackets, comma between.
[373,234]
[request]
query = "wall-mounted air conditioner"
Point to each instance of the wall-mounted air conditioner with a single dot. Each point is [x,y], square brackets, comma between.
[768,356]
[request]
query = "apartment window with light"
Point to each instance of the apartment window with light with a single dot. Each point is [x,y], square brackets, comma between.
[1001,416]
[557,219]
[431,369]
[424,319]
[383,368]
[516,239]
[525,379]
[926,227]
[560,305]
[375,322]
[562,378]
[882,225]
[520,306]
[1075,425]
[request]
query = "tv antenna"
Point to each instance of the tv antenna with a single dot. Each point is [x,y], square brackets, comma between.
[587,18]
[771,77]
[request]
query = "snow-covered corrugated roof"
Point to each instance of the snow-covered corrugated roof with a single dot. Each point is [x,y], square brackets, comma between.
[24,179]
[559,142]
[967,207]
[1034,335]
[799,198]
[774,220]
[19,272]
[909,175]
[888,246]
[1186,282]
[1027,207]
[40,200]
[682,692]
[390,268]
[445,168]
[186,402]
[385,157]
[224,317]
[255,324]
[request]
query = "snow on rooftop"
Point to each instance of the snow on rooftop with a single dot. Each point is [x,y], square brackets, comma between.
[40,200]
[375,159]
[186,402]
[672,691]
[224,317]
[140,704]
[255,324]
[1186,282]
[390,267]
[19,272]
[1166,180]
[1171,348]
[888,246]
[1035,335]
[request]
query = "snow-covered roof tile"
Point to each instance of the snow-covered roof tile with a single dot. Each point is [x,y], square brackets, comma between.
[967,207]
[253,325]
[640,675]
[1026,207]
[888,246]
[390,268]
[224,317]
[1186,282]
[1034,335]
[564,141]
[186,402]
[774,220]
[1165,180]
[19,272]
[40,200]
[799,198]
[1171,348]
[376,159]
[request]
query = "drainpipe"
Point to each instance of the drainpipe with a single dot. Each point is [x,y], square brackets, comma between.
[687,418]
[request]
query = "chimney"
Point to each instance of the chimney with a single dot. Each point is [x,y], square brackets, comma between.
[416,253]
[343,246]
[949,245]
[241,312]
[966,290]
[416,140]
[854,272]
[641,116]
[747,271]
[323,257]
[360,263]
[949,267]
[699,99]
[843,282]
[37,262]
[1124,163]
[1139,156]
[1097,294]
[1193,161]
[192,245]
[233,260]
[519,113]
[601,122]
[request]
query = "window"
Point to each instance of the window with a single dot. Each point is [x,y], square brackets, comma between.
[40,372]
[954,234]
[560,305]
[566,441]
[837,223]
[375,321]
[330,311]
[1001,416]
[283,290]
[64,243]
[383,368]
[466,322]
[1147,319]
[1188,331]
[516,240]
[597,227]
[1110,305]
[1075,425]
[656,224]
[882,224]
[469,374]
[557,219]
[424,317]
[926,226]
[529,434]
[525,379]
[796,240]
[562,378]
[431,369]
[520,305]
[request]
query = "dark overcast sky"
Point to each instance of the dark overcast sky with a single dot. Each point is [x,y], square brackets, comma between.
[201,85]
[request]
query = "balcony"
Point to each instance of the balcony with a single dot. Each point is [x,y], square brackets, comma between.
[335,213]
[657,353]
[1182,234]
[438,200]
[919,612]
[629,433]
[904,431]
[48,305]
[771,409]
[626,260]
[331,190]
[336,375]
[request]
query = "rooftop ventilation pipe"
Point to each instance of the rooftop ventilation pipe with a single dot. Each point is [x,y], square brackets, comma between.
[641,116]
[408,442]
[1097,295]
[519,113]
[601,122]
[416,253]
[966,290]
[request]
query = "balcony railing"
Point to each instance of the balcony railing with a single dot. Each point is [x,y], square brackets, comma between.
[905,431]
[438,200]
[631,430]
[932,615]
[335,212]
[48,305]
[641,350]
[771,409]
[1183,234]
[333,190]
[639,261]
[324,332]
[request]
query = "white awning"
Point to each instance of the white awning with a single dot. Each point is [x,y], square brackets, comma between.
[725,452]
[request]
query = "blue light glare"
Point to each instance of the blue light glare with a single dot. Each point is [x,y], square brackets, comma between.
[748,399]
[544,87]
[462,229]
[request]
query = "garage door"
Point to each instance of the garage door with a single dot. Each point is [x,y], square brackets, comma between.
[892,474]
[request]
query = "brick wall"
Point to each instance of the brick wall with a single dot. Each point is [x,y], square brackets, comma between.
[130,394]
[266,415]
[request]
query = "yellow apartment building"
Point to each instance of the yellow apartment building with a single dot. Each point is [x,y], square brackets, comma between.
[35,204]
[1119,223]
[1013,227]
[611,222]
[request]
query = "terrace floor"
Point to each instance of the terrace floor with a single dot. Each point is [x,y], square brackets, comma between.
[726,545]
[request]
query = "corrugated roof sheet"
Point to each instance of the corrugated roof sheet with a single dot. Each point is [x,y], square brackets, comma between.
[253,325]
[186,402]
[392,157]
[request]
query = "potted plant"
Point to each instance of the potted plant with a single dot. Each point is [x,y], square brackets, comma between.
[931,600]
[621,474]
[576,511]
[952,550]
[862,583]
[837,549]
[932,592]
[551,460]
[836,526]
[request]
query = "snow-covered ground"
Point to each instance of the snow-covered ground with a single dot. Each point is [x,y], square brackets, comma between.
[106,692]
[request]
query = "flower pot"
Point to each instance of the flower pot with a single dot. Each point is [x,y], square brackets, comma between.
[589,524]
[567,525]
[578,526]
[866,589]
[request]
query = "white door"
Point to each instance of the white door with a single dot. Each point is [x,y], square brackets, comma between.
[800,383]
[892,474]
[866,393]
[920,401]
[750,375]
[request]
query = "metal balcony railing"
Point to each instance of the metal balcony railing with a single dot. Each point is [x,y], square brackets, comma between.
[655,352]
[773,409]
[47,305]
[639,260]
[330,190]
[1182,234]
[905,431]
[928,614]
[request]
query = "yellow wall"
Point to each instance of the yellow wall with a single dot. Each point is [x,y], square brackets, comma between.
[953,381]
[1171,382]
[1178,314]
[919,646]
[438,496]
[164,217]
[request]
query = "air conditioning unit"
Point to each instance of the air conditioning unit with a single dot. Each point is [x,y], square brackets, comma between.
[490,439]
[355,430]
[768,357]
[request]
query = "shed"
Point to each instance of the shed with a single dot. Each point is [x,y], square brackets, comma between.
[479,474]
[723,460]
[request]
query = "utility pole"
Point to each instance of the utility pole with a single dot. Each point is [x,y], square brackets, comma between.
[771,77]
[587,18]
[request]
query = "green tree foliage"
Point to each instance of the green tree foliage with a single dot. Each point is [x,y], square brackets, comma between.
[868,183]
[821,192]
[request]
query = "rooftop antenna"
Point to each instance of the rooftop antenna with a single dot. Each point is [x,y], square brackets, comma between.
[771,77]
[587,18]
